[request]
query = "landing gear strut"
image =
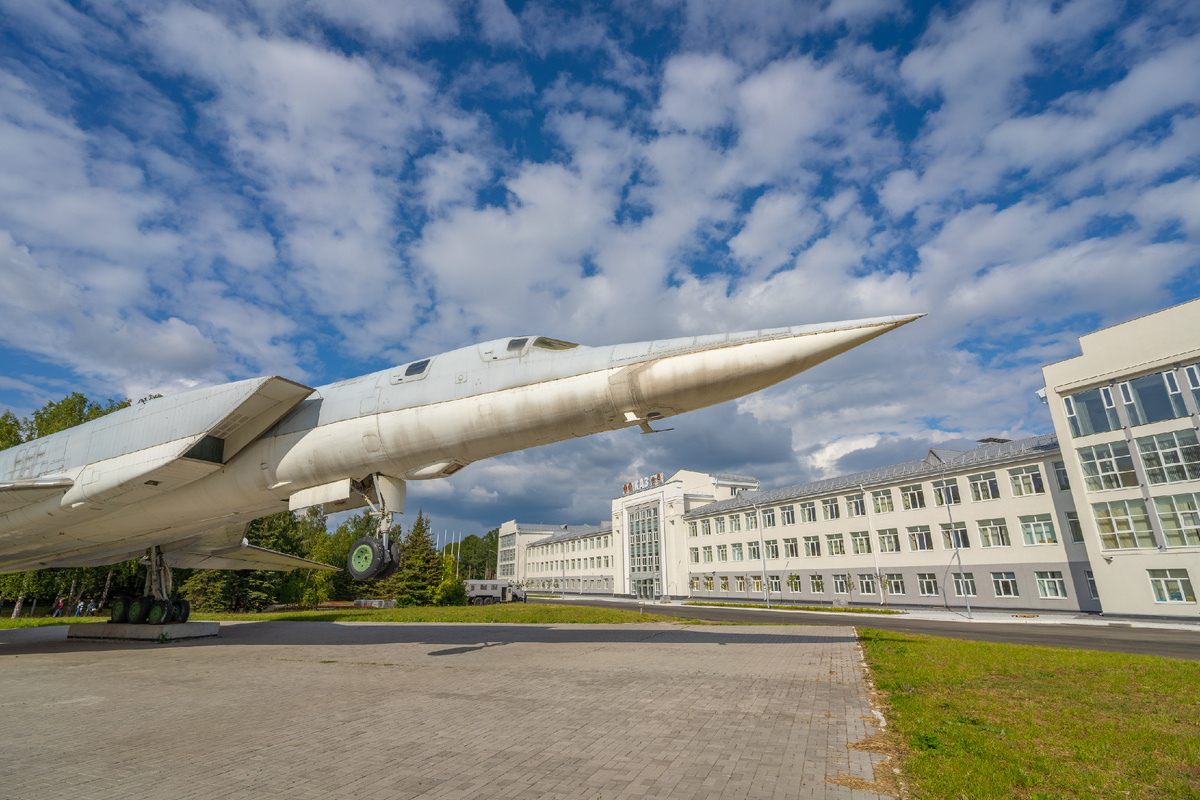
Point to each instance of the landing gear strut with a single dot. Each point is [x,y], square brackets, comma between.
[378,556]
[154,606]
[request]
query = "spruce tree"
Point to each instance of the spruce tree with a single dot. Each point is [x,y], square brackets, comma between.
[420,567]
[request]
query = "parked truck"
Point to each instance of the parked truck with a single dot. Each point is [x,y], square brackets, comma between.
[484,593]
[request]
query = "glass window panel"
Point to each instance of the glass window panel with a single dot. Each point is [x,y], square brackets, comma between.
[1123,524]
[1107,466]
[1091,412]
[1180,518]
[1170,457]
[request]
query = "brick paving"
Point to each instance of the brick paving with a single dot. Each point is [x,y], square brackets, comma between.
[373,710]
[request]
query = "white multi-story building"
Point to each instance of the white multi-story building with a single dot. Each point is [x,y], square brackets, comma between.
[1126,411]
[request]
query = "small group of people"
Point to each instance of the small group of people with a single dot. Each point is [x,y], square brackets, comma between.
[80,610]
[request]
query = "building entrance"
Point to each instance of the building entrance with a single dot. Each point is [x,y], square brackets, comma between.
[647,588]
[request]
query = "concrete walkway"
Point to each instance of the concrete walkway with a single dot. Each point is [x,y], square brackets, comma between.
[379,710]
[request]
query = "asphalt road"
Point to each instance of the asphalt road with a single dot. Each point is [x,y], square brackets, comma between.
[1114,637]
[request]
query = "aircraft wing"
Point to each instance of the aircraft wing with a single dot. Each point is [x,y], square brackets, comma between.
[243,556]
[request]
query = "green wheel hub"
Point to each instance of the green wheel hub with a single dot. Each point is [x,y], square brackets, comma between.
[362,557]
[156,615]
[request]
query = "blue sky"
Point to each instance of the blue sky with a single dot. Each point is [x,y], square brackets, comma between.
[198,192]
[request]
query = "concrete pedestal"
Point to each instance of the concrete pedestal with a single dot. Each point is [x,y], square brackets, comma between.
[143,633]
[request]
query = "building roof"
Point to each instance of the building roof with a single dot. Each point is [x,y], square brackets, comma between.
[938,460]
[562,533]
[733,477]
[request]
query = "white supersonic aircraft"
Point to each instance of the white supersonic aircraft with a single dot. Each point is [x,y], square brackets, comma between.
[178,478]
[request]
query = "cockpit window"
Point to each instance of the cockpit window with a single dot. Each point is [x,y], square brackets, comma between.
[517,344]
[552,344]
[416,368]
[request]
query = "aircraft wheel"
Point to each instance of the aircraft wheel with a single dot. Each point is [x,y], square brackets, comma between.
[119,613]
[394,564]
[139,609]
[183,610]
[365,559]
[161,613]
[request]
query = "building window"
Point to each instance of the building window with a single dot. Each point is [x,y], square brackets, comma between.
[768,515]
[792,548]
[1193,379]
[945,493]
[1180,518]
[812,545]
[927,584]
[830,508]
[1051,585]
[737,551]
[1107,466]
[993,532]
[1005,584]
[984,487]
[735,523]
[1091,412]
[954,535]
[1153,398]
[1091,584]
[741,583]
[772,548]
[751,520]
[889,540]
[837,545]
[1170,457]
[719,522]
[725,583]
[895,583]
[757,584]
[722,554]
[841,583]
[705,528]
[773,582]
[708,555]
[1171,586]
[1074,527]
[860,542]
[1038,529]
[882,501]
[913,497]
[919,538]
[808,512]
[856,506]
[752,551]
[708,583]
[1123,524]
[964,584]
[695,583]
[1026,481]
[1060,475]
[607,561]
[866,583]
[787,515]
[691,529]
[817,583]
[793,582]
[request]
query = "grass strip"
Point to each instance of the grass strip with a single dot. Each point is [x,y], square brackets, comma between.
[510,613]
[42,622]
[984,720]
[799,608]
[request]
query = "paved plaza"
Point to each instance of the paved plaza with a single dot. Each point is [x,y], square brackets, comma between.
[391,711]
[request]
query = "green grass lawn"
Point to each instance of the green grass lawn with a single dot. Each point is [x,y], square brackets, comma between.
[863,610]
[41,622]
[981,720]
[513,613]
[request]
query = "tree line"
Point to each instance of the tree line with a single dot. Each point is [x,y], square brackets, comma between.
[425,575]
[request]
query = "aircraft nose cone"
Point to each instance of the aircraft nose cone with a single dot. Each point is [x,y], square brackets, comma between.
[705,371]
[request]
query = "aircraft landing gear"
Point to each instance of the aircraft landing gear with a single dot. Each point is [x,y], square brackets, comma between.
[378,556]
[155,606]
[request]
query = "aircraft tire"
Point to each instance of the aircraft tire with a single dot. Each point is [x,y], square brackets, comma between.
[119,612]
[183,610]
[393,565]
[365,559]
[139,609]
[162,612]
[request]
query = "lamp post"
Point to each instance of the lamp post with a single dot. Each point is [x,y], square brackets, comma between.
[954,541]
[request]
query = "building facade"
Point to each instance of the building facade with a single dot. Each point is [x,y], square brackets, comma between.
[1126,412]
